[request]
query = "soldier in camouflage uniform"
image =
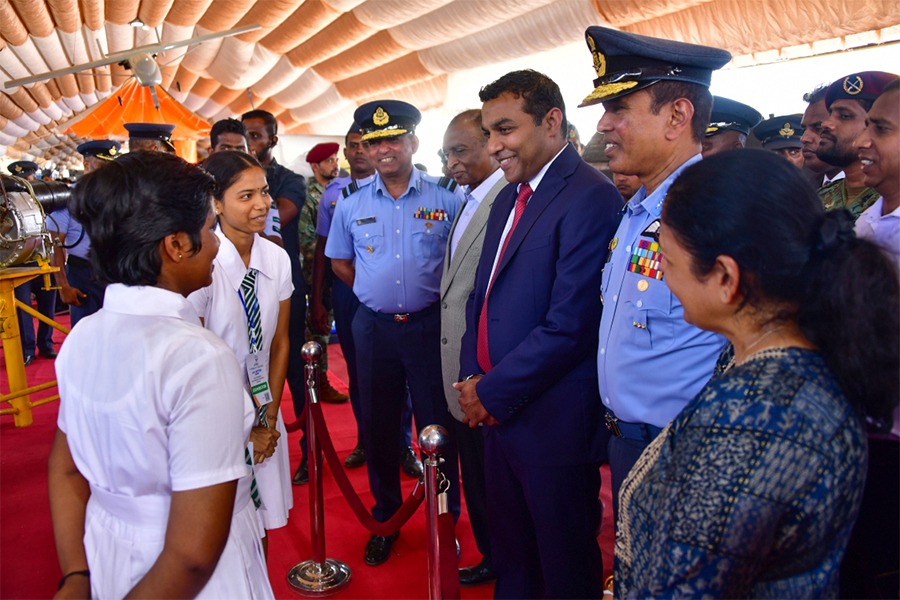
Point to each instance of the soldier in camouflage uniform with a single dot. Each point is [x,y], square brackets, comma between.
[324,162]
[848,100]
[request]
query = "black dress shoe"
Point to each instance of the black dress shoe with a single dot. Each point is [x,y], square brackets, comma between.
[51,354]
[357,458]
[378,549]
[29,359]
[301,476]
[477,575]
[410,463]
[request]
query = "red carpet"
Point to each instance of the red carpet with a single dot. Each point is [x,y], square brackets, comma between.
[28,565]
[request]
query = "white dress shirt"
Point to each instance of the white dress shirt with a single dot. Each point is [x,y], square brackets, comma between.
[882,229]
[534,183]
[473,201]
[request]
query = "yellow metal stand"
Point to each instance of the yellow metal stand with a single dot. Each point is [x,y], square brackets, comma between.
[18,396]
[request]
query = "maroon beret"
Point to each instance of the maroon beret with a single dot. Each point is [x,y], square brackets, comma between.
[320,152]
[859,86]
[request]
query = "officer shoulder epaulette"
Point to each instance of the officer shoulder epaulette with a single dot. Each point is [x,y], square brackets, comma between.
[353,187]
[448,183]
[349,189]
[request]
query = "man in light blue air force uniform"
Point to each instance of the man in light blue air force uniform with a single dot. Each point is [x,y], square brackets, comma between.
[387,243]
[650,362]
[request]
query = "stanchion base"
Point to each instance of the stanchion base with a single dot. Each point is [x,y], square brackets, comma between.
[310,578]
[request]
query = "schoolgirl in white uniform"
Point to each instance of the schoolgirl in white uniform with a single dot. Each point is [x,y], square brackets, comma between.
[252,279]
[149,486]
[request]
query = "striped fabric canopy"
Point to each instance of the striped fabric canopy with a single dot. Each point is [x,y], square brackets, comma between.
[314,61]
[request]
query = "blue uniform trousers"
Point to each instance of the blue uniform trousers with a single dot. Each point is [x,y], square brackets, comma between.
[392,356]
[543,523]
[83,279]
[345,304]
[46,305]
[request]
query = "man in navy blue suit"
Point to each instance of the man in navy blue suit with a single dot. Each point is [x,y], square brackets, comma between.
[528,355]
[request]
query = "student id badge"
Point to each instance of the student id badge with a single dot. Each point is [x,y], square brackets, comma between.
[258,374]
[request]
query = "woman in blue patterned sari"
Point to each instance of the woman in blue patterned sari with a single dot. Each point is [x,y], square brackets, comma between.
[753,490]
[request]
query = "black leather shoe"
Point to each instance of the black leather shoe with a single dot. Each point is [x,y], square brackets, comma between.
[378,549]
[357,458]
[51,354]
[477,575]
[301,476]
[410,463]
[29,359]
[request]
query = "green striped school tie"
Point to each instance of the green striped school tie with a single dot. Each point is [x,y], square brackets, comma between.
[254,326]
[254,330]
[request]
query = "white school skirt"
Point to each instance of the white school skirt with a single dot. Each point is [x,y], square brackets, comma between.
[123,537]
[273,480]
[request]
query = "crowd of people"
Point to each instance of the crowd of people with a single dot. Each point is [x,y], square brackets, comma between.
[720,324]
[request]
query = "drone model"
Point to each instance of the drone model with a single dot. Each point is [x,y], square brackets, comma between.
[141,61]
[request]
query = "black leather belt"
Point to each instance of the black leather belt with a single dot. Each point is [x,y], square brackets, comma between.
[78,262]
[633,431]
[405,317]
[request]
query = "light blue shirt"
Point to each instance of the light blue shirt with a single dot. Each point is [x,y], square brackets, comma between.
[329,200]
[60,221]
[398,244]
[651,363]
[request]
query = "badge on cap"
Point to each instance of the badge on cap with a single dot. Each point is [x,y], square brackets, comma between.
[112,151]
[786,131]
[380,117]
[599,59]
[642,285]
[853,84]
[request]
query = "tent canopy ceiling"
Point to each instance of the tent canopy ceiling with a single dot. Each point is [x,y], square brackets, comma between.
[314,61]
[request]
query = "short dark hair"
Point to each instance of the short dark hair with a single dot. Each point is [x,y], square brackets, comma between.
[541,94]
[267,118]
[817,94]
[804,264]
[132,204]
[227,126]
[665,91]
[226,167]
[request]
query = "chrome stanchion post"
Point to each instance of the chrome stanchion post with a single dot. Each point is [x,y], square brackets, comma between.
[432,440]
[318,576]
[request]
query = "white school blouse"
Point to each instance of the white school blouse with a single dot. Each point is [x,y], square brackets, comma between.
[151,404]
[220,307]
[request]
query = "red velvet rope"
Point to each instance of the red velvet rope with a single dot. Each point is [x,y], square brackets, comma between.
[449,562]
[389,527]
[296,424]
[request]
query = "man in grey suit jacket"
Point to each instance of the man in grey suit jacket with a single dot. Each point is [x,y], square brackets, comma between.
[474,168]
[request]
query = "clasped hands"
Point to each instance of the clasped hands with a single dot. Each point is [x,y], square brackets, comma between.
[265,440]
[474,410]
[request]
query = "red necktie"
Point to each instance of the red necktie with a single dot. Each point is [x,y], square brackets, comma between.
[484,359]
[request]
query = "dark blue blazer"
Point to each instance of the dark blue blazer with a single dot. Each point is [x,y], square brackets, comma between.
[544,315]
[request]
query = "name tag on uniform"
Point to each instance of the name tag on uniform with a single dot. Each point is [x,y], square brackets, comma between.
[365,221]
[258,374]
